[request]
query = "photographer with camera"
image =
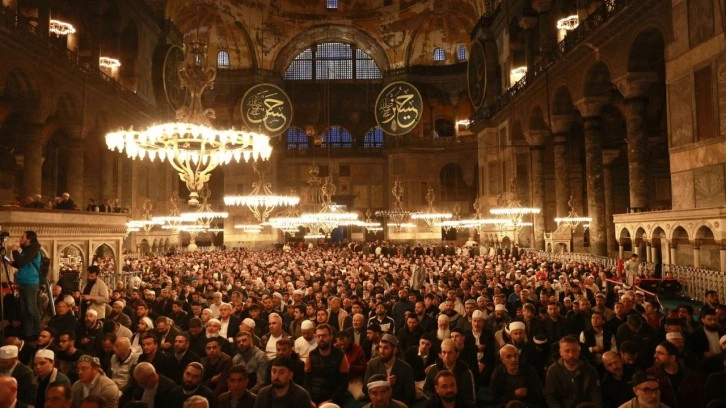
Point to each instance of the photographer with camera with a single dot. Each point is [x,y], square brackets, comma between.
[26,259]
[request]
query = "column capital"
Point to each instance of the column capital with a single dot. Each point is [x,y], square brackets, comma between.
[561,123]
[697,243]
[590,107]
[609,156]
[537,137]
[528,22]
[542,6]
[635,84]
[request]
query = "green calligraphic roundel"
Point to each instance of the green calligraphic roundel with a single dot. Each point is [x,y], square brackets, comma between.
[266,109]
[399,108]
[477,74]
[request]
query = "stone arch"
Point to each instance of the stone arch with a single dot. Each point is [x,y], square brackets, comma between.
[597,81]
[21,90]
[505,242]
[329,32]
[682,246]
[709,250]
[646,50]
[72,256]
[658,245]
[562,102]
[639,242]
[67,108]
[439,30]
[144,247]
[537,120]
[625,240]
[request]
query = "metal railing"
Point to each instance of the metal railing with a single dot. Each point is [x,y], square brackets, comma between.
[27,34]
[694,281]
[603,14]
[111,280]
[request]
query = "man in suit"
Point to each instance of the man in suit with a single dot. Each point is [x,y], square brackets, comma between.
[10,366]
[401,374]
[92,381]
[229,322]
[9,393]
[150,387]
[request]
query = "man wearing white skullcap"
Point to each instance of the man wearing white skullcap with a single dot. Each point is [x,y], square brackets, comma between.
[10,366]
[46,374]
[307,341]
[380,393]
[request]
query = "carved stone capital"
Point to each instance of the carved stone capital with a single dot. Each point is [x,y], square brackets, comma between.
[528,22]
[537,137]
[591,106]
[636,84]
[609,156]
[561,123]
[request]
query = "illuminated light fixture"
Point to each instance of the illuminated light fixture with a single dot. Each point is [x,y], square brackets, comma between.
[573,220]
[61,28]
[510,211]
[146,222]
[261,201]
[174,220]
[331,215]
[517,74]
[204,216]
[249,228]
[398,226]
[463,122]
[370,225]
[431,215]
[108,62]
[191,144]
[568,23]
[396,215]
[315,236]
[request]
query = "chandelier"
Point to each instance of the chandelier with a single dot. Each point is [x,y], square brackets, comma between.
[431,215]
[146,222]
[174,220]
[110,63]
[568,23]
[204,216]
[510,211]
[61,28]
[330,215]
[193,147]
[249,228]
[572,220]
[396,215]
[369,224]
[261,201]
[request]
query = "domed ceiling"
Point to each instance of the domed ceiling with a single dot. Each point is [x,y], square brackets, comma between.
[268,34]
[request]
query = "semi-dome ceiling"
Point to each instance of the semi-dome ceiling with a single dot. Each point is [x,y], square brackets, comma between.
[261,33]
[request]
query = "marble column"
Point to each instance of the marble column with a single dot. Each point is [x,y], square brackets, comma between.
[722,255]
[590,109]
[696,253]
[75,177]
[621,250]
[608,157]
[528,24]
[560,125]
[648,252]
[32,161]
[537,140]
[674,252]
[634,87]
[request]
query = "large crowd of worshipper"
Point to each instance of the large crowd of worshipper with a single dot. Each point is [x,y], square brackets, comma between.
[367,323]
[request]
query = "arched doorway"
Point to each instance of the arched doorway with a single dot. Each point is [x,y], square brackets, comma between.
[682,246]
[709,252]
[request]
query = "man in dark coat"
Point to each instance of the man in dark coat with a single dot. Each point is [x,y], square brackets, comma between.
[146,379]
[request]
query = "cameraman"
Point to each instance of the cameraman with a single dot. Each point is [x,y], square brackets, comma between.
[26,259]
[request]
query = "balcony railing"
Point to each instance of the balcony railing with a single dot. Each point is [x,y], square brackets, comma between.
[574,38]
[40,44]
[694,281]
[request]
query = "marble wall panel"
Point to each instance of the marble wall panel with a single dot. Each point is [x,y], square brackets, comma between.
[681,114]
[700,21]
[709,186]
[683,195]
[721,83]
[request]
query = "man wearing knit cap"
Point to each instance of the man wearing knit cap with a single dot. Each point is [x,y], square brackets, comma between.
[46,374]
[307,342]
[10,366]
[515,380]
[397,372]
[499,319]
[380,392]
[92,381]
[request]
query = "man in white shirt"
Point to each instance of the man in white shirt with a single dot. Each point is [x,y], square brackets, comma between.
[307,342]
[121,362]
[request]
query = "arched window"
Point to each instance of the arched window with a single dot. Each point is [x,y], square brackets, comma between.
[331,4]
[444,128]
[461,53]
[439,55]
[296,138]
[197,59]
[373,138]
[223,59]
[337,136]
[333,60]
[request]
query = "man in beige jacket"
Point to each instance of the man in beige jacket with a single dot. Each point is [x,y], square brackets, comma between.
[95,293]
